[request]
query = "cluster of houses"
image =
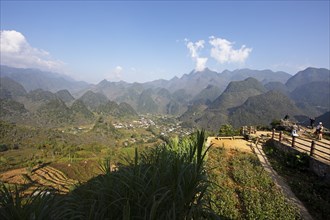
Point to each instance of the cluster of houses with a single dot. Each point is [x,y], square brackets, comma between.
[165,125]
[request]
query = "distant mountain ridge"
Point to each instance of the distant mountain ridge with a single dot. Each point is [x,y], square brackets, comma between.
[202,98]
[46,109]
[32,79]
[249,102]
[144,97]
[236,93]
[308,75]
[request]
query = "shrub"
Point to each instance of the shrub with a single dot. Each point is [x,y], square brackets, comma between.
[275,123]
[3,147]
[227,130]
[16,147]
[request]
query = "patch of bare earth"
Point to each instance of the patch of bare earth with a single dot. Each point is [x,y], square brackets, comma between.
[237,144]
[43,176]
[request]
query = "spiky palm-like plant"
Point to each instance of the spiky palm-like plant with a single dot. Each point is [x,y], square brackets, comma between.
[37,205]
[167,182]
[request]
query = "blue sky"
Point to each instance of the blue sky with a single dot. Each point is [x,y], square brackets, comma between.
[144,40]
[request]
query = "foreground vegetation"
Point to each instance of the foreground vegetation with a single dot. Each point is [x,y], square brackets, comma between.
[312,190]
[243,190]
[167,182]
[178,180]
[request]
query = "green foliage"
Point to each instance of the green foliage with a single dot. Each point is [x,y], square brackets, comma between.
[78,107]
[13,205]
[3,147]
[11,108]
[55,112]
[312,190]
[227,130]
[298,161]
[105,166]
[167,182]
[102,126]
[244,190]
[275,123]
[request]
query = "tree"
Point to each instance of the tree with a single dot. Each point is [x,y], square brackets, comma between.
[227,130]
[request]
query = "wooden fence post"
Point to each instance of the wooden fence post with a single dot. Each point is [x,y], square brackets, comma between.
[273,134]
[293,141]
[312,149]
[280,137]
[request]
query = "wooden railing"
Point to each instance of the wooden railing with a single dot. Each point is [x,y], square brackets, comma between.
[316,149]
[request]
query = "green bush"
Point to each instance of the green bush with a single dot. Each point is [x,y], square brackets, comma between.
[275,123]
[3,147]
[227,130]
[312,190]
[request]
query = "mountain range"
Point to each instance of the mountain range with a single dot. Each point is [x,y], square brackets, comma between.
[201,98]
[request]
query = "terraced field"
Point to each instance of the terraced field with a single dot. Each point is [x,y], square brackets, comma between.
[43,176]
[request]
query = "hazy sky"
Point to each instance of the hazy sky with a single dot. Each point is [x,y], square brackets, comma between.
[144,40]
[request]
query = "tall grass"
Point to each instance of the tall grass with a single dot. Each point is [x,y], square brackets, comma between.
[167,182]
[14,205]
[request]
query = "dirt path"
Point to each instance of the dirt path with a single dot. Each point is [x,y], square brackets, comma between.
[280,182]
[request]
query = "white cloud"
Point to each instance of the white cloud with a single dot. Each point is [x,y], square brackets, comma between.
[16,51]
[194,49]
[116,74]
[223,51]
[200,63]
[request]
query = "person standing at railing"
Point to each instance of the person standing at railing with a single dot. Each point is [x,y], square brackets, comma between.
[319,131]
[312,121]
[294,131]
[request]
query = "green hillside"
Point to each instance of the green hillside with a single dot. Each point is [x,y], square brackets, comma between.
[278,86]
[93,100]
[237,92]
[207,95]
[325,119]
[80,111]
[263,109]
[127,110]
[64,95]
[308,75]
[41,95]
[10,89]
[146,104]
[11,110]
[314,93]
[54,113]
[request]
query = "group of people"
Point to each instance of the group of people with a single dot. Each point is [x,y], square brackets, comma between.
[319,128]
[318,132]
